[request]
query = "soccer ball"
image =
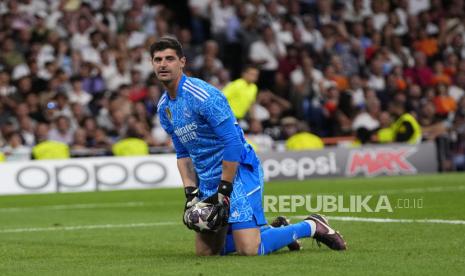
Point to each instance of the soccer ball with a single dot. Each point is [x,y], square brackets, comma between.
[197,215]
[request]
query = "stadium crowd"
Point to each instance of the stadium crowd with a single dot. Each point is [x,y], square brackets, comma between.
[79,72]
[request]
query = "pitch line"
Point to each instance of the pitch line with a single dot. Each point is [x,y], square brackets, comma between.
[170,223]
[87,227]
[389,220]
[77,206]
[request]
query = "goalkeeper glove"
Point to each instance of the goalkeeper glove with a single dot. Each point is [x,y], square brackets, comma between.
[220,200]
[192,198]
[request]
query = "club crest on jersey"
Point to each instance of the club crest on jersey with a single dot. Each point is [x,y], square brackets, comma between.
[168,114]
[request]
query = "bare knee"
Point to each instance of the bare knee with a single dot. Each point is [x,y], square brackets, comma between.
[209,244]
[205,252]
[247,241]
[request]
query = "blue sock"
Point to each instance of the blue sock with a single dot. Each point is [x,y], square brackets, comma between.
[229,246]
[276,238]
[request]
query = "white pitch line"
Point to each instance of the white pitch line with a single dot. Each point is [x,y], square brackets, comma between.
[86,227]
[169,223]
[389,220]
[76,206]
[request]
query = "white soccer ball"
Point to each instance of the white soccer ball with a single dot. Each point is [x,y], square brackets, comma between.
[196,217]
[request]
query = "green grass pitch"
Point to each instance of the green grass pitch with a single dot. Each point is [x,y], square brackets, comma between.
[141,233]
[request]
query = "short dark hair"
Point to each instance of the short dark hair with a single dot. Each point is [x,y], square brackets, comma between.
[75,78]
[167,42]
[249,66]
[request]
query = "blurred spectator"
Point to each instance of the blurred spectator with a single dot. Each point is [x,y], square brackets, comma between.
[15,150]
[255,136]
[242,93]
[9,55]
[131,145]
[61,130]
[298,137]
[120,76]
[440,77]
[118,125]
[385,132]
[421,73]
[368,119]
[137,89]
[26,129]
[458,137]
[91,79]
[405,128]
[77,94]
[60,106]
[372,54]
[101,140]
[444,104]
[210,54]
[79,140]
[47,149]
[265,53]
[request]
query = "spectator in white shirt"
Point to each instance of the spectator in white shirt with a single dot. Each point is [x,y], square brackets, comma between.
[265,53]
[61,131]
[77,94]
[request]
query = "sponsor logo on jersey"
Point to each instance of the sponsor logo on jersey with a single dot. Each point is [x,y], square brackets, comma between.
[186,133]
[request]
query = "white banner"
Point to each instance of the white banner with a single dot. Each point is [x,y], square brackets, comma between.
[89,174]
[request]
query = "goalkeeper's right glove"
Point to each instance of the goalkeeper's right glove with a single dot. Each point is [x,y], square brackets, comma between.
[192,197]
[220,213]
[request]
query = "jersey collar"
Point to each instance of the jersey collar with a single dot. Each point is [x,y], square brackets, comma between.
[179,88]
[180,85]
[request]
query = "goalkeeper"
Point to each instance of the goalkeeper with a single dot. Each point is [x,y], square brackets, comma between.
[218,166]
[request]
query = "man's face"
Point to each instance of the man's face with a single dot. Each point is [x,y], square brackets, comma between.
[167,65]
[251,75]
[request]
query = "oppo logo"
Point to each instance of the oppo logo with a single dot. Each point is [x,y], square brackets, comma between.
[109,174]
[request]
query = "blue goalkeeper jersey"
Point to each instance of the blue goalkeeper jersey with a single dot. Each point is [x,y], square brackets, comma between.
[191,117]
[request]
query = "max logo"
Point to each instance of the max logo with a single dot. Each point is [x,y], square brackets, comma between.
[374,162]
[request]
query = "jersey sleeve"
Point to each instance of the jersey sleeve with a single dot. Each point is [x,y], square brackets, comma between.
[181,151]
[215,109]
[227,133]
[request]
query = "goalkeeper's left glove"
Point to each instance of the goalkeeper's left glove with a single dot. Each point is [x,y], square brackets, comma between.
[221,201]
[192,197]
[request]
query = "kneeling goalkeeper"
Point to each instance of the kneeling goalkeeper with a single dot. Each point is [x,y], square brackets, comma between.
[218,166]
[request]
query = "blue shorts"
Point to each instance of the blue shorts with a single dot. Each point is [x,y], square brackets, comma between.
[246,198]
[243,225]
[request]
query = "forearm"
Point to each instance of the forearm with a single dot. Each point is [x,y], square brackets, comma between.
[187,172]
[229,171]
